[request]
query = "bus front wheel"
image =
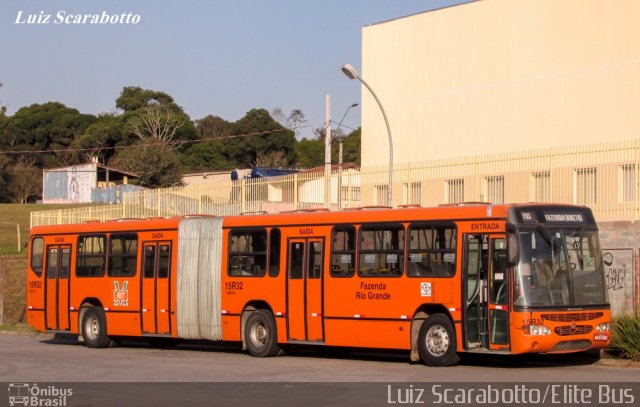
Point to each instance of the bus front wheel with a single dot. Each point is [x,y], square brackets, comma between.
[437,341]
[260,334]
[94,328]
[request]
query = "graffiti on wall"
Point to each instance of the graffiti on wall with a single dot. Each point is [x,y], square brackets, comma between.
[615,273]
[618,265]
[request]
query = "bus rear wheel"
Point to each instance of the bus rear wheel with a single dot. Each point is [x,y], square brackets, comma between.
[260,334]
[437,341]
[94,328]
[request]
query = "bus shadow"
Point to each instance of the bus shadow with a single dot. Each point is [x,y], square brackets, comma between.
[346,353]
[530,360]
[152,343]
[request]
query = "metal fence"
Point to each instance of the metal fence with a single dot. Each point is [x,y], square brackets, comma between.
[13,289]
[604,177]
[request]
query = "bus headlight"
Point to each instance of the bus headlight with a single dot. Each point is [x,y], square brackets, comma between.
[603,327]
[539,330]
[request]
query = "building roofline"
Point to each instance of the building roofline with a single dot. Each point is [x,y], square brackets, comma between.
[463,2]
[98,166]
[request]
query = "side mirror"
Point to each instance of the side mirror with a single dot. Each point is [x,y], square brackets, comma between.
[513,254]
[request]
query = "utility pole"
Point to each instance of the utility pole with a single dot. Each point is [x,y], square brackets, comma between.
[327,155]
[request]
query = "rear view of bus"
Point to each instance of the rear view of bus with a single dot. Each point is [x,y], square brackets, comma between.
[560,299]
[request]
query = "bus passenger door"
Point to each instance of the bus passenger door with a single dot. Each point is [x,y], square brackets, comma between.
[498,294]
[486,292]
[156,288]
[304,290]
[58,264]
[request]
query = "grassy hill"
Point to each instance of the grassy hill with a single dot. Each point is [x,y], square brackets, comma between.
[17,214]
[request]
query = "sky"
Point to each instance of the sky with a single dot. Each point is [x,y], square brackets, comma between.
[213,57]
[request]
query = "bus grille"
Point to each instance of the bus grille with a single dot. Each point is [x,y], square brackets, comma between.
[571,345]
[578,330]
[584,316]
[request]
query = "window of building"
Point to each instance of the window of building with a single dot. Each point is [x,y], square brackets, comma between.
[123,255]
[413,193]
[494,189]
[350,193]
[382,195]
[248,253]
[343,251]
[585,186]
[432,250]
[37,253]
[381,251]
[454,190]
[92,256]
[274,252]
[628,182]
[541,186]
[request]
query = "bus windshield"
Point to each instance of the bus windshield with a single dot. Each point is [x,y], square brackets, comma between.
[559,267]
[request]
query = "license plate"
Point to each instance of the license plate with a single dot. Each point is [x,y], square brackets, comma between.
[600,337]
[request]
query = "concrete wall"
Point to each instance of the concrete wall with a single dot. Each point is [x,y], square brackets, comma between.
[620,246]
[498,76]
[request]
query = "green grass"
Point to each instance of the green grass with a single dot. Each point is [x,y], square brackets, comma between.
[18,214]
[626,336]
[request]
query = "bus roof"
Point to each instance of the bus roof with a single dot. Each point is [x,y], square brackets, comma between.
[319,217]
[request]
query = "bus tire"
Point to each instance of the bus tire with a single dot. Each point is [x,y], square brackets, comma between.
[94,328]
[437,341]
[260,334]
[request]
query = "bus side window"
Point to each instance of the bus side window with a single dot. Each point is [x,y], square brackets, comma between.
[274,252]
[381,251]
[37,253]
[123,255]
[247,253]
[91,259]
[432,250]
[343,251]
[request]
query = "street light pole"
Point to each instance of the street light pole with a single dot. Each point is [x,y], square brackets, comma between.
[340,156]
[351,73]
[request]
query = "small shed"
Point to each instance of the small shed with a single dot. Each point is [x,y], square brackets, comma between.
[86,183]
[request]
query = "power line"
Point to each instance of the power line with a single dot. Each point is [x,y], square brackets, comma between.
[176,143]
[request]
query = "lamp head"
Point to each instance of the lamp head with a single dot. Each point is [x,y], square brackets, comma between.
[350,71]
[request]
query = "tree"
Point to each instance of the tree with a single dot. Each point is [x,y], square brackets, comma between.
[25,184]
[157,165]
[50,126]
[3,109]
[211,127]
[309,153]
[350,148]
[278,115]
[157,123]
[206,155]
[296,118]
[142,107]
[133,98]
[258,135]
[100,138]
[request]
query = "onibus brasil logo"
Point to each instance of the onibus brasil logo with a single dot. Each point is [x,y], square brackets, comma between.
[26,394]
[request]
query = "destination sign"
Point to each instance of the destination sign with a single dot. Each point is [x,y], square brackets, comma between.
[553,215]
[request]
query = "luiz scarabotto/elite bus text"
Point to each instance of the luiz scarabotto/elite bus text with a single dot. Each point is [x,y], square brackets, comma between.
[63,17]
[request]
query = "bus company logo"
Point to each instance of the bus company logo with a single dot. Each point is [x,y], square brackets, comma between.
[120,295]
[425,289]
[26,394]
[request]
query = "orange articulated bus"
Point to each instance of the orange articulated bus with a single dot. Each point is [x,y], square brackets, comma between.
[437,282]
